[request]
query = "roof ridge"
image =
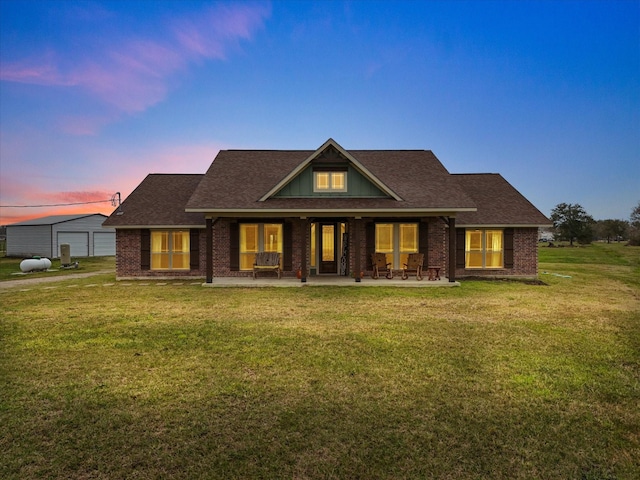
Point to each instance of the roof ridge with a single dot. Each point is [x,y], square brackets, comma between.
[245,150]
[478,173]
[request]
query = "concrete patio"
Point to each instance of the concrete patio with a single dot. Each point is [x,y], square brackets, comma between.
[328,281]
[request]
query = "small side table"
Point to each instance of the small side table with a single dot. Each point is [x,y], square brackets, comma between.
[433,273]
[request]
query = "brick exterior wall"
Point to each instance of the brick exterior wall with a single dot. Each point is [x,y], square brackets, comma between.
[525,258]
[298,235]
[438,245]
[525,252]
[128,258]
[352,224]
[221,250]
[128,251]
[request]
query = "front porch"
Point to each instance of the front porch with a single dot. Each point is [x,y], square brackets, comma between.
[322,250]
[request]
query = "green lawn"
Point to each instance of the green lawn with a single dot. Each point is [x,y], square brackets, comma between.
[497,380]
[10,267]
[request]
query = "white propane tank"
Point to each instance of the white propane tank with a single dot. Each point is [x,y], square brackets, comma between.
[35,264]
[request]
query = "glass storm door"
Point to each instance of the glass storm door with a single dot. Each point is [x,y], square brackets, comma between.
[328,248]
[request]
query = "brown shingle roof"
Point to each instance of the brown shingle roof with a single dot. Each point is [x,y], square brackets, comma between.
[237,179]
[159,201]
[499,203]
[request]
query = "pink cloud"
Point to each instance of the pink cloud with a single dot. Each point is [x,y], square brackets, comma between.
[24,193]
[40,70]
[112,171]
[23,199]
[133,74]
[79,197]
[128,90]
[7,218]
[210,34]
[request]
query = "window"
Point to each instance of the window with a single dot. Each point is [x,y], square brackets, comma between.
[397,241]
[329,181]
[484,249]
[170,250]
[258,237]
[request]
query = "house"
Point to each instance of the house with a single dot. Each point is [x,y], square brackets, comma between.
[325,211]
[43,236]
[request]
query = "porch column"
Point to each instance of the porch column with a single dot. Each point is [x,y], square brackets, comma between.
[356,249]
[209,227]
[303,250]
[452,249]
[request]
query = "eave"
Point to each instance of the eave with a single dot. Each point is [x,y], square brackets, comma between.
[305,212]
[504,225]
[164,227]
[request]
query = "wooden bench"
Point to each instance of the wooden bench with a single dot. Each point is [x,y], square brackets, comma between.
[266,262]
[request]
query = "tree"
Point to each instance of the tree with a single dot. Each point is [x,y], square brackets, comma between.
[634,218]
[634,221]
[612,229]
[572,222]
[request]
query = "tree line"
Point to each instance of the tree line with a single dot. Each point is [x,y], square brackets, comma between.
[573,224]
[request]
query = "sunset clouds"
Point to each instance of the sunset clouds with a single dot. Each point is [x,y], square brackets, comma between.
[96,75]
[210,34]
[120,170]
[132,73]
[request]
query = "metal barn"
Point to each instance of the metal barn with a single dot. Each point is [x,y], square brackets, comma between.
[43,236]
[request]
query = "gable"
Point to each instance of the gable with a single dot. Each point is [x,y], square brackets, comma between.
[357,185]
[330,157]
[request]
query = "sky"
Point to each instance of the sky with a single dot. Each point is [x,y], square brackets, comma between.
[95,95]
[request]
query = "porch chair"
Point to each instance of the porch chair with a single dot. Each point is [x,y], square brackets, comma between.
[266,262]
[379,262]
[414,264]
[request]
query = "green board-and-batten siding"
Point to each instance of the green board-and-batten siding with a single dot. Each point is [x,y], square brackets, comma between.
[358,186]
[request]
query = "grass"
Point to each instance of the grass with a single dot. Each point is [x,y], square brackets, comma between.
[10,267]
[489,380]
[598,259]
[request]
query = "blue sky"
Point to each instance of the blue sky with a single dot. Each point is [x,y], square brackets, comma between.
[95,95]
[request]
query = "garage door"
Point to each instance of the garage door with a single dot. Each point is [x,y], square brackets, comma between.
[79,242]
[104,244]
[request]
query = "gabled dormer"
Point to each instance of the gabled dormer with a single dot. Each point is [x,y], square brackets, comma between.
[330,172]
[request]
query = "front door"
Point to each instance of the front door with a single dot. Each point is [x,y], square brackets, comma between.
[328,248]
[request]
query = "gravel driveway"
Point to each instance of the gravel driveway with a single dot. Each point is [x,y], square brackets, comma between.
[23,282]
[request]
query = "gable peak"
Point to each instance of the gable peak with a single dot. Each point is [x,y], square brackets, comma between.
[331,151]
